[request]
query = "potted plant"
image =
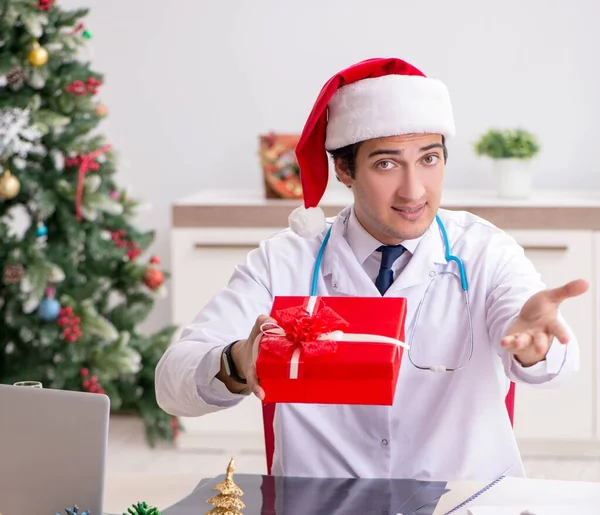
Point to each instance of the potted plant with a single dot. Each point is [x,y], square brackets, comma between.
[511,151]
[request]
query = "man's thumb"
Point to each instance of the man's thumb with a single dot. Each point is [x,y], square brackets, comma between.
[566,291]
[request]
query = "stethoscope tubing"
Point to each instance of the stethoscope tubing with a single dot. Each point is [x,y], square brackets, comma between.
[464,287]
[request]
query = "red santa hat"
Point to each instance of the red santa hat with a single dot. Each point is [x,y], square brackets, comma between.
[375,98]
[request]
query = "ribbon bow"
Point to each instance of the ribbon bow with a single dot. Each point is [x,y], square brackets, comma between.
[86,163]
[296,329]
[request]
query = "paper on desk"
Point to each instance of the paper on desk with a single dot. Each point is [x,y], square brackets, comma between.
[533,510]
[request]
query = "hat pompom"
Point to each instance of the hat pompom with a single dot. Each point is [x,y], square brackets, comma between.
[307,222]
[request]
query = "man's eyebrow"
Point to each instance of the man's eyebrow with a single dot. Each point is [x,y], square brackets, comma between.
[429,147]
[397,152]
[381,151]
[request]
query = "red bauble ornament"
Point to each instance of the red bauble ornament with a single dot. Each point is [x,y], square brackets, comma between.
[153,278]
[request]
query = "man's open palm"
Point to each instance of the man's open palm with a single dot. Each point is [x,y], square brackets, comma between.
[531,335]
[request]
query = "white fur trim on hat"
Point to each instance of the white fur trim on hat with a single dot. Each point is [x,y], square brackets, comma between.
[385,106]
[307,223]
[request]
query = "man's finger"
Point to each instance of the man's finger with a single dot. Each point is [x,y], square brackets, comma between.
[508,341]
[559,331]
[523,340]
[517,341]
[251,377]
[254,383]
[256,348]
[262,319]
[566,291]
[540,342]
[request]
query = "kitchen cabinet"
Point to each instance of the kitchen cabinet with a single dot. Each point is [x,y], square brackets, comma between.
[565,413]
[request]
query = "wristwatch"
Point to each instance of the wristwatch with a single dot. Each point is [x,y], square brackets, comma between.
[230,365]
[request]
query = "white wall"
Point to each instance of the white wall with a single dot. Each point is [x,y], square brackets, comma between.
[191,83]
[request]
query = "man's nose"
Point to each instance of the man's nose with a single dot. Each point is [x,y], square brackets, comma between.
[411,186]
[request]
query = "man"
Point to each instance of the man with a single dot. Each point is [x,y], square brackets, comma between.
[386,125]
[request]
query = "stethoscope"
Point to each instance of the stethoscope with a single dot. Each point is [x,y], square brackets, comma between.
[463,284]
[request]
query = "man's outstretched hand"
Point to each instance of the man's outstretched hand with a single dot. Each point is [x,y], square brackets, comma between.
[530,336]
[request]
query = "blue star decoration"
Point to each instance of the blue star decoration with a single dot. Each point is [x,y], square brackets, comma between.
[75,511]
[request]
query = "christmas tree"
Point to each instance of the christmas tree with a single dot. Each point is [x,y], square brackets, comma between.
[227,501]
[75,281]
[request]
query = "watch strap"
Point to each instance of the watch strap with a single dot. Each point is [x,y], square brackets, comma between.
[230,365]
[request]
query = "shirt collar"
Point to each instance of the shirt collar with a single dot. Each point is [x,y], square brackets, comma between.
[363,244]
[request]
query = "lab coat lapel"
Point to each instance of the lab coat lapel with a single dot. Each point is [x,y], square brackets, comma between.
[349,278]
[339,263]
[423,263]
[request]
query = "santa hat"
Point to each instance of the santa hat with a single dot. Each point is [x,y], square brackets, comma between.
[375,98]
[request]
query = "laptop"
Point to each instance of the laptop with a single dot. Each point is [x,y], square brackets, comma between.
[52,450]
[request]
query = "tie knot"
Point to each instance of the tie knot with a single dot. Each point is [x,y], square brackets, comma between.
[389,254]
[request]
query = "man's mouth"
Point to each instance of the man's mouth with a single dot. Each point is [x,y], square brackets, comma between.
[410,213]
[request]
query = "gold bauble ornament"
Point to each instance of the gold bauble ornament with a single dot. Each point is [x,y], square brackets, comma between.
[38,55]
[9,186]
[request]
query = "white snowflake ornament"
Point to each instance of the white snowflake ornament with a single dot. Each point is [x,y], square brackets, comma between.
[17,136]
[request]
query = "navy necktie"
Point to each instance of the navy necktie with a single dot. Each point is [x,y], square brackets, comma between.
[389,254]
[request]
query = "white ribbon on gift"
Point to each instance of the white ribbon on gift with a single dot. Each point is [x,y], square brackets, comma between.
[337,336]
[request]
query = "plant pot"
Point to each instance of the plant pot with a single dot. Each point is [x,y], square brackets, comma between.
[513,178]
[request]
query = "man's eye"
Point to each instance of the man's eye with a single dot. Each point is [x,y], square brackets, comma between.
[430,159]
[384,165]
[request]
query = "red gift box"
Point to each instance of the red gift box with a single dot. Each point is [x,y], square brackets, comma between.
[332,350]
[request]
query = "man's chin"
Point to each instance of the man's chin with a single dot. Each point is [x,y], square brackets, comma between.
[412,231]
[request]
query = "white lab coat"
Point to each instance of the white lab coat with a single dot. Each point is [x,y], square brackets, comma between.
[444,426]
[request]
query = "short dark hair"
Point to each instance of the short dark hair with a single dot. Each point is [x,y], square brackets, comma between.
[348,153]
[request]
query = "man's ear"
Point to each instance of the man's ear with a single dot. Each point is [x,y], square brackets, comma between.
[342,172]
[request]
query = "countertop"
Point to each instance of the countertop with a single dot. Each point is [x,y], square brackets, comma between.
[546,209]
[450,198]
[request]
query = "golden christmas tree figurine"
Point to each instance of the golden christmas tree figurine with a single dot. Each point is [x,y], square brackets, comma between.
[227,501]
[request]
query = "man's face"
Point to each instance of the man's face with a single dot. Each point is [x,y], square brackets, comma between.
[397,185]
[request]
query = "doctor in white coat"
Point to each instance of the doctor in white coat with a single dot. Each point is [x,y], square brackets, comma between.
[386,126]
